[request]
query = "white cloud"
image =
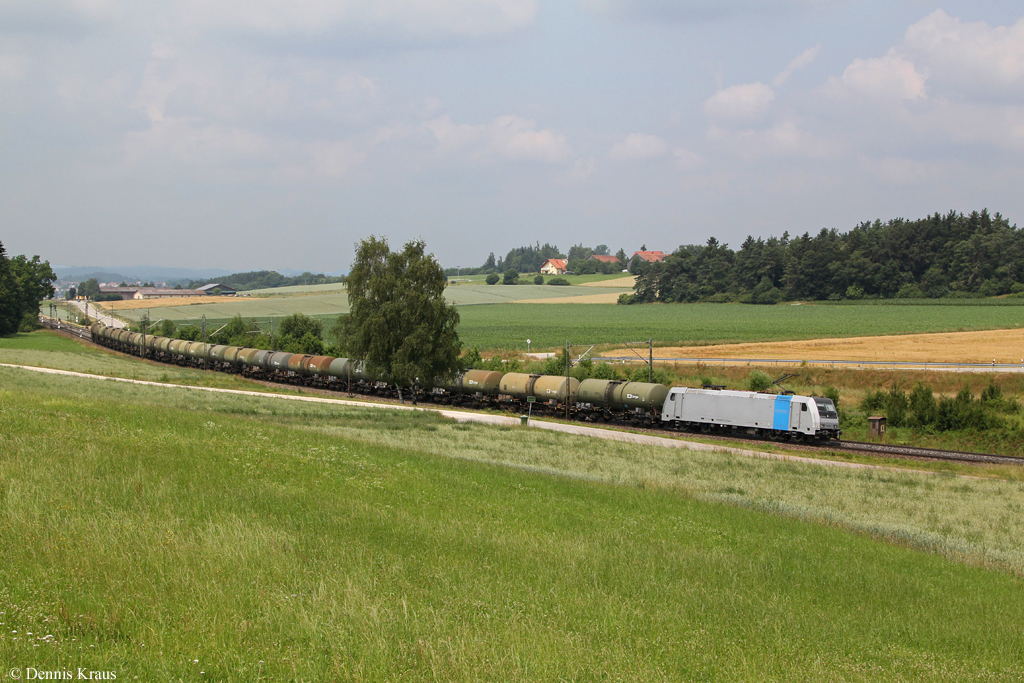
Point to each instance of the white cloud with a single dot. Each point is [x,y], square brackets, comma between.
[968,55]
[12,67]
[332,159]
[581,171]
[638,146]
[803,59]
[744,102]
[786,138]
[687,160]
[508,137]
[890,78]
[422,18]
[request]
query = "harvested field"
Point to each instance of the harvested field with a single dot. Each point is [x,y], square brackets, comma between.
[1003,346]
[626,282]
[166,302]
[603,298]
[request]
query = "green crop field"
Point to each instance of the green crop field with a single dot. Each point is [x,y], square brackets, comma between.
[488,323]
[549,325]
[238,539]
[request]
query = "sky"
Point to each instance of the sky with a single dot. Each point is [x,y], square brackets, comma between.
[251,134]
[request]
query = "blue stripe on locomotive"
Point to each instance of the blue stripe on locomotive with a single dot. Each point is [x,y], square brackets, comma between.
[782,412]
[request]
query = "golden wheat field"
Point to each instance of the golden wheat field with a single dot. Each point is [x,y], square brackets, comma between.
[1002,346]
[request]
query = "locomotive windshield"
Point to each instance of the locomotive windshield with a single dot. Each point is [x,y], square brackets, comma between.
[826,408]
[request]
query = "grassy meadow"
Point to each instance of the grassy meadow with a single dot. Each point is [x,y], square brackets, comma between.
[49,350]
[211,537]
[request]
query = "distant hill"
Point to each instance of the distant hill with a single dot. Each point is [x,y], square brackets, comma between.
[129,273]
[100,275]
[266,279]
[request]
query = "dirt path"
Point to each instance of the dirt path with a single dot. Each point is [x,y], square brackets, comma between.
[1002,346]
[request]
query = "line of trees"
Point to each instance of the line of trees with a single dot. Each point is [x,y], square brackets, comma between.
[266,279]
[530,258]
[952,255]
[24,283]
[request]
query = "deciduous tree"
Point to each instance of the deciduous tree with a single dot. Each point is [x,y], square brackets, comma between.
[398,319]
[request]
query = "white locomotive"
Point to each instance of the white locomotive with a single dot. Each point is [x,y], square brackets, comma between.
[769,415]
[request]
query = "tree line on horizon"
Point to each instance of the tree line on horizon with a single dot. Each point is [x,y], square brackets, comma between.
[266,279]
[530,258]
[941,256]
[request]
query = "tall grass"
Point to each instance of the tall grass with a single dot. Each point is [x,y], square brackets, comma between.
[239,540]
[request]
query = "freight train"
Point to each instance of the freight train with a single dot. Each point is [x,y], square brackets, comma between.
[746,413]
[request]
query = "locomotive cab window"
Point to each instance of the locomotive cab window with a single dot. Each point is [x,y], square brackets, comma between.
[803,407]
[826,408]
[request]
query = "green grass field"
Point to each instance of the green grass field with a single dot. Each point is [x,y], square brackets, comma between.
[508,326]
[549,325]
[237,539]
[50,350]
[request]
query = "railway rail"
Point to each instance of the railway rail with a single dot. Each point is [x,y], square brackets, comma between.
[899,451]
[927,453]
[66,327]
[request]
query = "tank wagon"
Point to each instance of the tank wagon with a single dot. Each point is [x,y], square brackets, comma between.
[706,410]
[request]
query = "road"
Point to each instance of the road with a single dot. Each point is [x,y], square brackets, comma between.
[96,314]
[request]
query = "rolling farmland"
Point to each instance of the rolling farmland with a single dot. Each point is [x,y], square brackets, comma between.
[699,324]
[495,317]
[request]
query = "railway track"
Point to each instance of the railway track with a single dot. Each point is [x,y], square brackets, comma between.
[927,453]
[898,451]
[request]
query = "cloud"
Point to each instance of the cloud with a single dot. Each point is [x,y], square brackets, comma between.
[968,56]
[687,160]
[12,67]
[806,57]
[786,138]
[740,102]
[420,18]
[891,78]
[507,137]
[638,146]
[687,11]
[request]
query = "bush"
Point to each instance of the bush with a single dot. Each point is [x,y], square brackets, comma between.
[167,328]
[832,394]
[643,374]
[922,406]
[604,371]
[298,325]
[30,322]
[758,380]
[896,405]
[539,280]
[472,358]
[493,278]
[558,281]
[874,401]
[963,412]
[511,277]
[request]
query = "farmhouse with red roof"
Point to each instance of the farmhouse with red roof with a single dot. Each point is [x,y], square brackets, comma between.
[554,266]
